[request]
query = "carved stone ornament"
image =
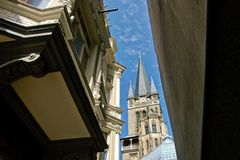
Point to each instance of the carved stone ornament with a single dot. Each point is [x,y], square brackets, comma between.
[15,69]
[68,3]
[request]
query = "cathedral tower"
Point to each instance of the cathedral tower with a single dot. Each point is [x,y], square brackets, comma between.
[146,127]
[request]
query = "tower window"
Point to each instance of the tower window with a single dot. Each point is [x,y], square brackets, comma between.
[137,120]
[144,113]
[147,144]
[156,142]
[146,128]
[154,128]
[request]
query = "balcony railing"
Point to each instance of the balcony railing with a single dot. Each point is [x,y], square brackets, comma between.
[130,147]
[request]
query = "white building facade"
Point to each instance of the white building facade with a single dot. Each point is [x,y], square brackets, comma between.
[58,62]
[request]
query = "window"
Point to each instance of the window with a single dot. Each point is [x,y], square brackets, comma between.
[144,113]
[82,41]
[154,128]
[147,144]
[137,120]
[79,44]
[84,29]
[146,129]
[156,142]
[84,59]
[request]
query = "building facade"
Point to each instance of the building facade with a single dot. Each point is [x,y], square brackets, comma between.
[146,127]
[59,81]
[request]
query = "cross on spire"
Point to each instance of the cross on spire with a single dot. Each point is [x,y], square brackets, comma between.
[139,54]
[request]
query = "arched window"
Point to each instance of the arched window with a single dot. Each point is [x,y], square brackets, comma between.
[156,142]
[147,144]
[144,113]
[160,129]
[154,128]
[137,120]
[146,128]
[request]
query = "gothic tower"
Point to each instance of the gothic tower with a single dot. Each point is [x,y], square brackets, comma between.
[146,127]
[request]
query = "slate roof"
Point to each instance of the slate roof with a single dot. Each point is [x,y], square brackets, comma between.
[142,84]
[130,91]
[153,87]
[143,87]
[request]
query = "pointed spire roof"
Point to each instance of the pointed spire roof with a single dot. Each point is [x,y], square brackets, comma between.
[153,87]
[142,84]
[130,91]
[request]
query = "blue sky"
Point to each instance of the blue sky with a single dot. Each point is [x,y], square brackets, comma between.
[131,27]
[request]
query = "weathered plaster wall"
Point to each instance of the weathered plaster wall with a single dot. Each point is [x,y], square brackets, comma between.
[179,31]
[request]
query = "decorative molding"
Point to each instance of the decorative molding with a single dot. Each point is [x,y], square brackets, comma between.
[26,15]
[68,3]
[20,67]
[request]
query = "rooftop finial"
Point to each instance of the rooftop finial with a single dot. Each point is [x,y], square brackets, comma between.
[139,54]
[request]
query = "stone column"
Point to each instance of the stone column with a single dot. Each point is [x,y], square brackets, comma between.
[111,149]
[130,143]
[117,147]
[117,91]
[122,144]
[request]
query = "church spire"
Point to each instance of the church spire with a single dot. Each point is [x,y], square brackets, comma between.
[153,87]
[142,84]
[130,91]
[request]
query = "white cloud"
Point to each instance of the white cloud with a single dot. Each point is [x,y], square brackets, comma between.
[130,51]
[143,48]
[124,18]
[127,30]
[138,24]
[133,70]
[135,37]
[116,28]
[135,67]
[128,37]
[132,9]
[125,1]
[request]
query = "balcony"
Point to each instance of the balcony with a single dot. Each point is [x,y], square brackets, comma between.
[130,144]
[130,148]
